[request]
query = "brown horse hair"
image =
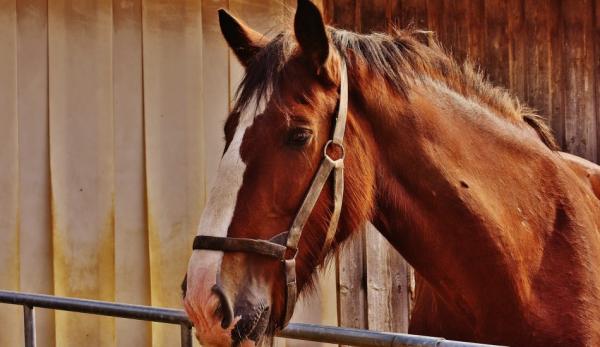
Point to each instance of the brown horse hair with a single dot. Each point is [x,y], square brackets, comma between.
[402,59]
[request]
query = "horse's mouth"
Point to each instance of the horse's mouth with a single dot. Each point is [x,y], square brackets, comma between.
[251,328]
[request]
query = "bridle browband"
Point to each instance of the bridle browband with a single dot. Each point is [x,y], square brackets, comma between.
[286,243]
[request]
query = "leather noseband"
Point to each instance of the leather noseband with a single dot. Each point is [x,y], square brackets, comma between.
[284,244]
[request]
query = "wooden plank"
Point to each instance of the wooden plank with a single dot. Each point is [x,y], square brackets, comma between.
[435,17]
[580,122]
[351,283]
[476,34]
[11,332]
[132,273]
[497,49]
[373,16]
[557,96]
[81,163]
[410,13]
[387,289]
[537,43]
[376,271]
[454,33]
[175,179]
[403,283]
[35,232]
[344,14]
[519,47]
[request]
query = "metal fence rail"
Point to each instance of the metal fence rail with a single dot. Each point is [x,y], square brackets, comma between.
[309,332]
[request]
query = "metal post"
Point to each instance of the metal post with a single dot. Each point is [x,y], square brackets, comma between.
[186,335]
[29,324]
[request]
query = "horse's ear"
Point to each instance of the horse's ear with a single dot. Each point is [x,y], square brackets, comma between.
[244,41]
[310,32]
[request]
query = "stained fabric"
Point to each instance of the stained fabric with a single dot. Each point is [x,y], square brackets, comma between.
[110,134]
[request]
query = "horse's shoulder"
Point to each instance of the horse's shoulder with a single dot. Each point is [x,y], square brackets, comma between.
[586,170]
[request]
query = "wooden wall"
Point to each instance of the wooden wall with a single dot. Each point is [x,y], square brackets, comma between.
[545,51]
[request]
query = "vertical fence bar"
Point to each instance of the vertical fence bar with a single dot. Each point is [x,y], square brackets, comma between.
[186,335]
[29,323]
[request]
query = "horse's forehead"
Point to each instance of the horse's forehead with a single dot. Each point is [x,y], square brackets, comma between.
[222,200]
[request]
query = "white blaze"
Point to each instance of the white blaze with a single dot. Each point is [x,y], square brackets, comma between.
[216,218]
[218,212]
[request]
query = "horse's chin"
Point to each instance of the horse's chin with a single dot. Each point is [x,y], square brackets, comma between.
[229,343]
[215,336]
[247,343]
[209,331]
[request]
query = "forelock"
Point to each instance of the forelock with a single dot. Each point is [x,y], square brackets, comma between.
[264,72]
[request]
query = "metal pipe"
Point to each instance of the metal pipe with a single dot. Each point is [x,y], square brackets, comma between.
[156,314]
[29,324]
[365,338]
[186,335]
[309,332]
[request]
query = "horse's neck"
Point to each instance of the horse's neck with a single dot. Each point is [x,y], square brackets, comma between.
[450,203]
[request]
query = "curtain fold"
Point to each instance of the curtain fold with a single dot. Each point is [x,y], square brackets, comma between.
[82,163]
[110,135]
[35,251]
[172,54]
[9,171]
[132,267]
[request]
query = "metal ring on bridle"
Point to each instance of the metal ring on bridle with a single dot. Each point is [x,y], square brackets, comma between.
[294,251]
[341,146]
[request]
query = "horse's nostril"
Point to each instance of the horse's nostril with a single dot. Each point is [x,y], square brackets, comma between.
[225,308]
[253,322]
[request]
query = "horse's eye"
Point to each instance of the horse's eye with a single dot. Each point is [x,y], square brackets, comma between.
[299,137]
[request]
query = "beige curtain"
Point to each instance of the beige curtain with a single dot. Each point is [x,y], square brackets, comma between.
[110,133]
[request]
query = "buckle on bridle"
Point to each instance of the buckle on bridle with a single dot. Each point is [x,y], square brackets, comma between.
[290,254]
[339,161]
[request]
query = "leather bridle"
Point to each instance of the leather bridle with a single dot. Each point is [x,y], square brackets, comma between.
[284,246]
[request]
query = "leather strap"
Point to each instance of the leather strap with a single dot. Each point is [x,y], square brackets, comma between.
[342,115]
[231,244]
[309,202]
[338,193]
[291,289]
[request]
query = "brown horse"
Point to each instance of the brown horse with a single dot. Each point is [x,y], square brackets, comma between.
[502,229]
